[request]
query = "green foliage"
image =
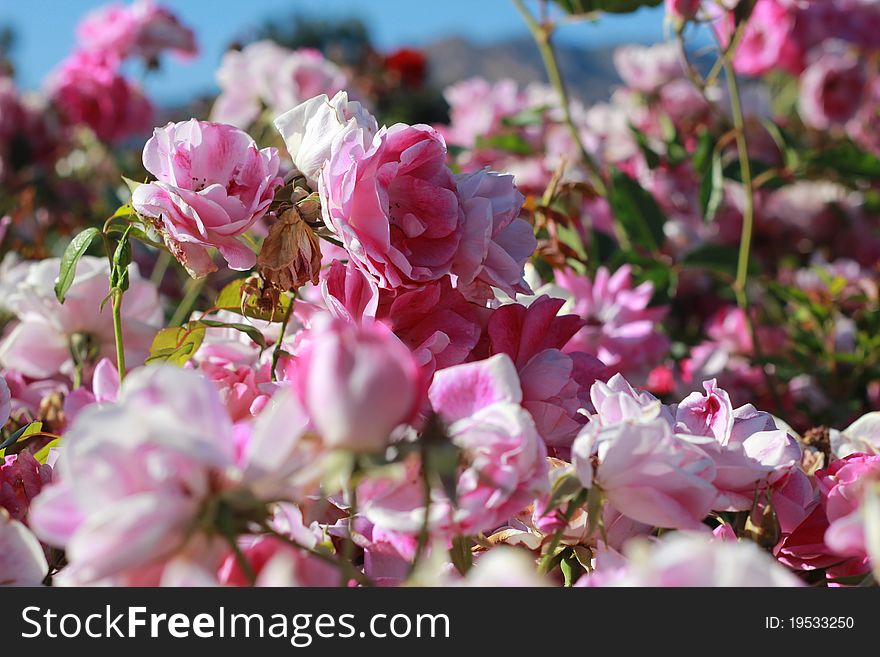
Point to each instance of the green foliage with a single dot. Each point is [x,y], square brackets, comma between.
[72,254]
[610,6]
[636,211]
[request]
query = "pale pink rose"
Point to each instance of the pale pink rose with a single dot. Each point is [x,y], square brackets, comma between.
[495,243]
[393,203]
[698,560]
[682,9]
[143,28]
[749,451]
[617,401]
[23,562]
[647,473]
[89,90]
[709,415]
[503,465]
[21,479]
[38,345]
[358,383]
[621,329]
[555,381]
[309,129]
[135,477]
[264,74]
[832,87]
[647,68]
[212,184]
[478,107]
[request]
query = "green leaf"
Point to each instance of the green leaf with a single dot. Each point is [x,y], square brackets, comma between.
[176,344]
[636,211]
[714,257]
[72,254]
[564,489]
[124,211]
[531,116]
[251,331]
[43,454]
[21,434]
[461,555]
[848,160]
[510,142]
[650,155]
[712,187]
[132,184]
[610,6]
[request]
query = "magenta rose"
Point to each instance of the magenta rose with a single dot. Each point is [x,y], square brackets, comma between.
[89,90]
[393,203]
[212,183]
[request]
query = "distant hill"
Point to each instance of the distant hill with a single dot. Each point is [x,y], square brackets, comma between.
[589,73]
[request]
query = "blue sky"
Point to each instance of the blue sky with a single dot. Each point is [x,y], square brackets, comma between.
[45,30]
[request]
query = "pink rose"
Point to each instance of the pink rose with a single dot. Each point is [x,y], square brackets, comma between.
[159,29]
[770,40]
[831,89]
[843,485]
[357,383]
[495,243]
[88,90]
[503,465]
[212,184]
[621,330]
[393,204]
[750,453]
[647,473]
[143,28]
[137,480]
[555,381]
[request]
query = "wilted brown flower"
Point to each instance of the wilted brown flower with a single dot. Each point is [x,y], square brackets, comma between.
[291,254]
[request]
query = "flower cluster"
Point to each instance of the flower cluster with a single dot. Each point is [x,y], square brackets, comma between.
[625,343]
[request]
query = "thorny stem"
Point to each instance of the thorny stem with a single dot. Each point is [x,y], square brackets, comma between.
[542,34]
